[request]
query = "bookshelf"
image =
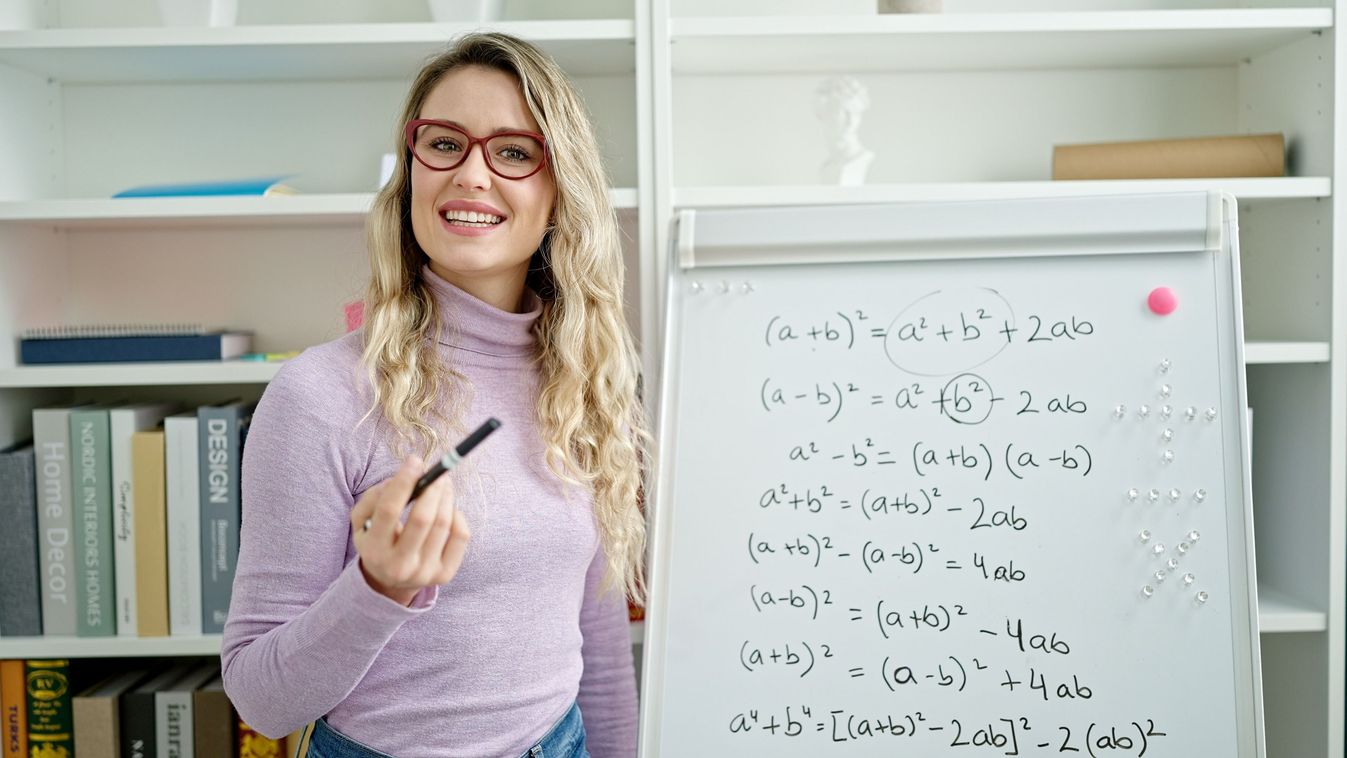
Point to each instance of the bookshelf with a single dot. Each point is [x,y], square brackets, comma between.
[964,105]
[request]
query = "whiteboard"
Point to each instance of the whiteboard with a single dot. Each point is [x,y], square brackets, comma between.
[936,480]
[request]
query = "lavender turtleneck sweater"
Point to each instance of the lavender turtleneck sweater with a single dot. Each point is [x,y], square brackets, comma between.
[481,666]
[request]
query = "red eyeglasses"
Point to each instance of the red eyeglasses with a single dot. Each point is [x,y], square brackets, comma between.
[440,146]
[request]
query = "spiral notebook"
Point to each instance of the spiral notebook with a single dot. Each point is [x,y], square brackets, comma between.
[127,343]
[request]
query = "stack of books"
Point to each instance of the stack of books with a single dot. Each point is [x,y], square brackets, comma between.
[1255,155]
[168,708]
[129,495]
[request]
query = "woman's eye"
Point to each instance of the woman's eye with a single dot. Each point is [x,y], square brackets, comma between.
[444,145]
[514,154]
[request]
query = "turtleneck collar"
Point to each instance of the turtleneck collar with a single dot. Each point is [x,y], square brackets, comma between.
[470,324]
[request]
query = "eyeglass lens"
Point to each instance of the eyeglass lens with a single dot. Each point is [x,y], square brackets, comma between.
[510,155]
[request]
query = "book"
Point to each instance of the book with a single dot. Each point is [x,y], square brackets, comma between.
[1208,157]
[91,476]
[51,722]
[98,715]
[122,423]
[173,712]
[14,706]
[253,744]
[259,185]
[20,596]
[151,546]
[134,348]
[139,738]
[220,437]
[55,519]
[183,505]
[214,723]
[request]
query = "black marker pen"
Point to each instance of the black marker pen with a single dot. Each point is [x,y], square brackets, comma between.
[449,460]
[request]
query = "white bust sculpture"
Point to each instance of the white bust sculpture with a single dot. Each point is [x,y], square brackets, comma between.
[839,103]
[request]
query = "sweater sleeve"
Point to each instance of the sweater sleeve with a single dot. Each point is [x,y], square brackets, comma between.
[304,626]
[608,685]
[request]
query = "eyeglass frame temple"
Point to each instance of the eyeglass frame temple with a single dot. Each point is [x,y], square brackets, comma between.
[409,133]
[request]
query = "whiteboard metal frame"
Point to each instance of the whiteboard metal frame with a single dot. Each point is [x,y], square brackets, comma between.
[1086,225]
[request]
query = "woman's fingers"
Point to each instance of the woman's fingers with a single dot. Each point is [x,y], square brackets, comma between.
[440,528]
[386,521]
[420,521]
[454,548]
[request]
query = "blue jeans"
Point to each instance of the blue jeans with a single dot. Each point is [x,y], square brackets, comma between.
[566,739]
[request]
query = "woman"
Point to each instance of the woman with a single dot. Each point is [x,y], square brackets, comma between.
[478,626]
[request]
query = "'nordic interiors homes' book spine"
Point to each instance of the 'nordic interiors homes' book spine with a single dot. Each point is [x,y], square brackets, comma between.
[91,467]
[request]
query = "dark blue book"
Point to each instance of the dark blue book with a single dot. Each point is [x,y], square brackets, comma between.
[209,346]
[221,431]
[20,600]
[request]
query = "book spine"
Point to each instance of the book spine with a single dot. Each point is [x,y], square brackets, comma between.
[257,745]
[137,725]
[14,701]
[147,450]
[220,440]
[173,724]
[51,722]
[1259,155]
[56,559]
[121,424]
[95,594]
[184,525]
[214,722]
[20,594]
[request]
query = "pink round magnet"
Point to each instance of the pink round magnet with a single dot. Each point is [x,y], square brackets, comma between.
[1162,301]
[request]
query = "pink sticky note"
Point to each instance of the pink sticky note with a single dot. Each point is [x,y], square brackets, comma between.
[1162,301]
[355,315]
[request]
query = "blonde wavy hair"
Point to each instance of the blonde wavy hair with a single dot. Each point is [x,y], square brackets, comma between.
[589,410]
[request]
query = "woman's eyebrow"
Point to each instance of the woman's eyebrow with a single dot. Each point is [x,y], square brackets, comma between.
[498,130]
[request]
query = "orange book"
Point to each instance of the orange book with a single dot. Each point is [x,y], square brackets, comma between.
[12,702]
[254,745]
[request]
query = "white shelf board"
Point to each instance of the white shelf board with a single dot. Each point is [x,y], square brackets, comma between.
[197,211]
[787,195]
[107,647]
[1281,613]
[296,52]
[140,374]
[977,41]
[1286,352]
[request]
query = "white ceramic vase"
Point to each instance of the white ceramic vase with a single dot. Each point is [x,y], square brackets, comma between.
[199,12]
[442,11]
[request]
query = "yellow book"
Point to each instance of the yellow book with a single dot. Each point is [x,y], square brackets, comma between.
[151,519]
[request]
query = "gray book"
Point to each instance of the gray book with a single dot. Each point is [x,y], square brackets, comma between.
[20,598]
[221,431]
[91,475]
[173,717]
[55,519]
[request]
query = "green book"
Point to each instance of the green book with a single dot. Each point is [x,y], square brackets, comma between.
[51,717]
[91,487]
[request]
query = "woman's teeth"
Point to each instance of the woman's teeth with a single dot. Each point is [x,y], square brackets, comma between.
[470,218]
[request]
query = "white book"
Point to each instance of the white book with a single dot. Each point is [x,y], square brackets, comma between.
[173,732]
[184,524]
[122,423]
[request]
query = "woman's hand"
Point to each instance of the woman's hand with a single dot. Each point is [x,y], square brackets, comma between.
[399,559]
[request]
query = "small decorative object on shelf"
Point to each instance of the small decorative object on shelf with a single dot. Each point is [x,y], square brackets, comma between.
[199,12]
[442,11]
[911,6]
[839,103]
